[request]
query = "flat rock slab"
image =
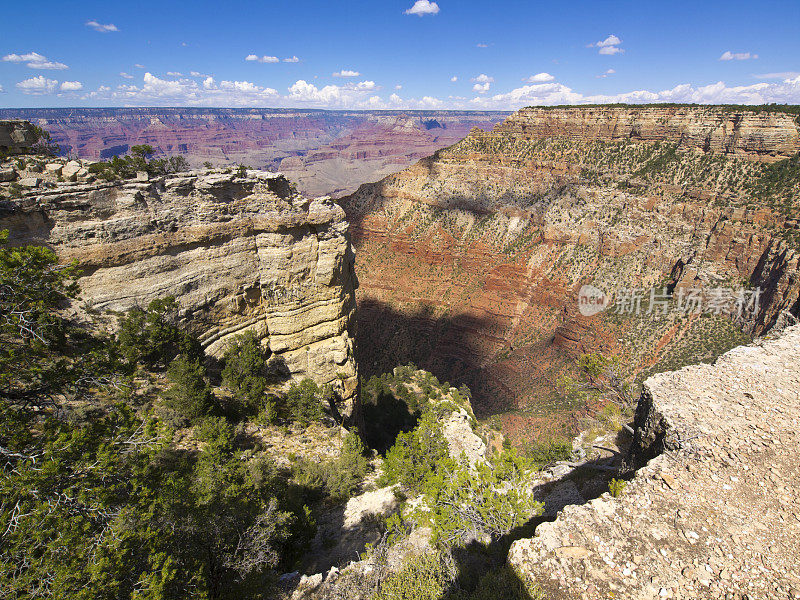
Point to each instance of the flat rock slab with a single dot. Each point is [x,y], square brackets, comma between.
[716,514]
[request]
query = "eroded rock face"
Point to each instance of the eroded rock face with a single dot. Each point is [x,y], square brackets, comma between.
[16,137]
[714,513]
[472,259]
[238,253]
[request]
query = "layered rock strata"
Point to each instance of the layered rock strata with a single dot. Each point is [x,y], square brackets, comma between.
[238,252]
[714,513]
[473,258]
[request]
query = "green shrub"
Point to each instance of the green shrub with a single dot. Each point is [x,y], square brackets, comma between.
[304,402]
[190,395]
[616,487]
[425,577]
[245,375]
[416,455]
[152,337]
[338,479]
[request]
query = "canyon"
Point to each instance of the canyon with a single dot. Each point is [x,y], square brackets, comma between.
[324,152]
[240,251]
[470,262]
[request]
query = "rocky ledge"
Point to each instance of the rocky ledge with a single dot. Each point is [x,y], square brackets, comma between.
[239,251]
[714,512]
[760,135]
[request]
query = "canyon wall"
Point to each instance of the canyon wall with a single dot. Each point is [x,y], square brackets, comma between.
[472,259]
[323,152]
[238,252]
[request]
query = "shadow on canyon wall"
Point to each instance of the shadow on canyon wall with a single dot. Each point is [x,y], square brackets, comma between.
[454,347]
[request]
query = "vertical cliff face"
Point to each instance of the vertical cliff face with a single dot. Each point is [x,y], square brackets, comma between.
[474,257]
[238,252]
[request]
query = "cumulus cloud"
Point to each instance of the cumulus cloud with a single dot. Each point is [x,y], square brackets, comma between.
[481,45]
[608,46]
[786,92]
[71,86]
[1,89]
[539,78]
[606,73]
[482,83]
[346,73]
[728,55]
[422,8]
[125,75]
[291,59]
[138,66]
[398,87]
[174,74]
[34,60]
[37,86]
[366,94]
[454,79]
[262,59]
[100,27]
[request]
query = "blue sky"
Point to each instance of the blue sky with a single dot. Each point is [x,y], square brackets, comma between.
[398,53]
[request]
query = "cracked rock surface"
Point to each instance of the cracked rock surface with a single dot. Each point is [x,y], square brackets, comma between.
[716,514]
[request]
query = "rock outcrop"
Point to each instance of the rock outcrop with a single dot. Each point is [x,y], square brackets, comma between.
[714,511]
[16,136]
[472,259]
[238,252]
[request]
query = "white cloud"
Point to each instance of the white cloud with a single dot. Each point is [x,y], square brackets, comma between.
[291,59]
[71,86]
[366,85]
[422,8]
[174,74]
[38,85]
[781,75]
[125,75]
[786,92]
[208,83]
[539,78]
[454,79]
[728,55]
[138,66]
[483,78]
[1,89]
[481,45]
[606,73]
[481,88]
[608,46]
[346,73]
[100,27]
[398,87]
[262,59]
[611,40]
[34,60]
